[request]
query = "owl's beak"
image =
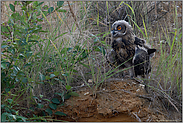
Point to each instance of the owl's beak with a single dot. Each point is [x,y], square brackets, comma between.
[113,32]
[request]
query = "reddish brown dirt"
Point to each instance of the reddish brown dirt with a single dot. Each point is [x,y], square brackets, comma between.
[117,101]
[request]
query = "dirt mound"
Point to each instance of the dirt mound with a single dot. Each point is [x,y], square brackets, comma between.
[122,101]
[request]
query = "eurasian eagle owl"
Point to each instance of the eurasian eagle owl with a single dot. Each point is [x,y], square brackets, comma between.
[124,42]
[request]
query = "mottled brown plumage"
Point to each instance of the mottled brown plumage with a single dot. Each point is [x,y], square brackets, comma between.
[129,50]
[124,43]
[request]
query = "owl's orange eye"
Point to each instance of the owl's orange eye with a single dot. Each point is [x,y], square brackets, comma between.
[119,27]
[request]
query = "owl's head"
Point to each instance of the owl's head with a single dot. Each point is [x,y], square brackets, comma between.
[121,28]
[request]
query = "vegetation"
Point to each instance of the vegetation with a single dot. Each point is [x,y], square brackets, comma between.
[47,50]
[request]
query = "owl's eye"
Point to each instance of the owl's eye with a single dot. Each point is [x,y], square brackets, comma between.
[119,28]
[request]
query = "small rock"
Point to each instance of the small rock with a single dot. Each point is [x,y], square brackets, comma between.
[90,80]
[137,90]
[142,86]
[86,93]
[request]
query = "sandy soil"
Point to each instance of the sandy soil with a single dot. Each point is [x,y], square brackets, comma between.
[124,100]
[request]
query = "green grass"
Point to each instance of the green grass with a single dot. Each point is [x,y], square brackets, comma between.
[168,60]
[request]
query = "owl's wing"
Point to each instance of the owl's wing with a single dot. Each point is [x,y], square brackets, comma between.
[142,43]
[111,56]
[139,41]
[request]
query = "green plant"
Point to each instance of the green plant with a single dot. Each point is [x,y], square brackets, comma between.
[55,102]
[169,65]
[18,56]
[30,60]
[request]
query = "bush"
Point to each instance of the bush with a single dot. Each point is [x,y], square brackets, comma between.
[23,54]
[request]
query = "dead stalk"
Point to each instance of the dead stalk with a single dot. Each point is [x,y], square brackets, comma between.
[137,117]
[74,17]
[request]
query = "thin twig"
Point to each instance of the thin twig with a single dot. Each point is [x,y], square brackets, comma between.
[137,117]
[172,104]
[74,17]
[145,97]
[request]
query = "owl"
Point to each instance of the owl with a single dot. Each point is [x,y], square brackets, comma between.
[124,42]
